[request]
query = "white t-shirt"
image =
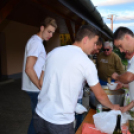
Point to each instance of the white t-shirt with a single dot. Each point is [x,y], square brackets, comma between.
[34,47]
[131,84]
[81,93]
[66,68]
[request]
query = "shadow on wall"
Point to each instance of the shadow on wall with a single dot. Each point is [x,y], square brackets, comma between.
[52,43]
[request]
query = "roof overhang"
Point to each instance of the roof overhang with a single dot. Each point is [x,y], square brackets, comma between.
[86,10]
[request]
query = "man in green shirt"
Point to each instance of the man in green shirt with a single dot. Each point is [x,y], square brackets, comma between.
[108,62]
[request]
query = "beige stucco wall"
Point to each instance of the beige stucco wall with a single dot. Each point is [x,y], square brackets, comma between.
[16,35]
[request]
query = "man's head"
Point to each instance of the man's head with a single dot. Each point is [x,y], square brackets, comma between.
[87,37]
[47,28]
[128,56]
[108,47]
[124,39]
[98,46]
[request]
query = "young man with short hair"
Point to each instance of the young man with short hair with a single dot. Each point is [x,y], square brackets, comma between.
[124,39]
[129,72]
[34,60]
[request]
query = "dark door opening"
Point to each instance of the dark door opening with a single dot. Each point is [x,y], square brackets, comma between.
[2,51]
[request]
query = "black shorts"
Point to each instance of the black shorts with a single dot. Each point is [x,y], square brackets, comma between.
[44,127]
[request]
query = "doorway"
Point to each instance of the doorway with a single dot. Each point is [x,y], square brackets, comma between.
[2,51]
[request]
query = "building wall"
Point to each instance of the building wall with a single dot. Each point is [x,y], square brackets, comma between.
[13,38]
[52,43]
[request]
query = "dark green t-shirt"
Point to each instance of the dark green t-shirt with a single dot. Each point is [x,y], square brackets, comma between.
[107,65]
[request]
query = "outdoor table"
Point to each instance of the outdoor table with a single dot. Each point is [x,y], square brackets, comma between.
[87,119]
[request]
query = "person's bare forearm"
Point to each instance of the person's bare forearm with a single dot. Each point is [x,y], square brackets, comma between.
[128,107]
[29,69]
[125,78]
[104,100]
[124,85]
[33,77]
[102,97]
[41,78]
[131,105]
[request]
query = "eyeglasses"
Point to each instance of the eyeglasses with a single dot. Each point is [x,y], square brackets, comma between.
[105,49]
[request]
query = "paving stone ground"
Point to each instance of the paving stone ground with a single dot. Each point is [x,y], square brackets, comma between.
[15,109]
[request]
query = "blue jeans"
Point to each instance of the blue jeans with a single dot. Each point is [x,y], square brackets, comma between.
[78,117]
[34,99]
[105,82]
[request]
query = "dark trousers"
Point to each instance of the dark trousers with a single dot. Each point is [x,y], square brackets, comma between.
[44,127]
[78,117]
[34,99]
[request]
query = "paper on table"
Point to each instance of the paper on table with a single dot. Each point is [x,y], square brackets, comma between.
[80,109]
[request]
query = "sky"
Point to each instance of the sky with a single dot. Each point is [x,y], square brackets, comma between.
[122,10]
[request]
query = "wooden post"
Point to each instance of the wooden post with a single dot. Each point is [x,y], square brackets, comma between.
[71,32]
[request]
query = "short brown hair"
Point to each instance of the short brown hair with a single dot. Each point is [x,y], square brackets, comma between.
[100,42]
[121,31]
[49,21]
[86,30]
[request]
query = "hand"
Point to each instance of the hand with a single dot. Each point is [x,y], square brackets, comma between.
[116,107]
[119,86]
[39,86]
[40,83]
[114,76]
[128,107]
[124,109]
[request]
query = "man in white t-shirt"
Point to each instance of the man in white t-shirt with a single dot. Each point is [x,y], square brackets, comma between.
[66,68]
[34,60]
[126,76]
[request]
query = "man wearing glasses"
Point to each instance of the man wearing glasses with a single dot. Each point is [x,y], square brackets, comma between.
[108,62]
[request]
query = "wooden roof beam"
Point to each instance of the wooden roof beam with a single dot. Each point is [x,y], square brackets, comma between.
[68,23]
[46,6]
[77,28]
[5,11]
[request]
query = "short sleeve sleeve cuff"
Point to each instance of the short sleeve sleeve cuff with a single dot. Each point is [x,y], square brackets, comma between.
[91,75]
[34,49]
